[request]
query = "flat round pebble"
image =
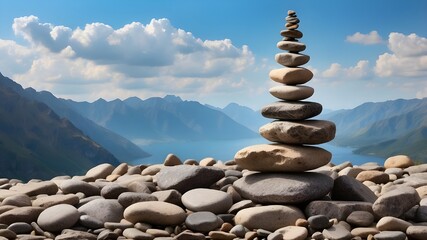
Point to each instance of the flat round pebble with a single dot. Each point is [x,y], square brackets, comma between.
[417,232]
[133,233]
[154,212]
[58,217]
[360,218]
[203,221]
[390,235]
[20,228]
[202,199]
[319,222]
[293,232]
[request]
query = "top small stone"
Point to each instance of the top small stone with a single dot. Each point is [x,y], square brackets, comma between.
[291,12]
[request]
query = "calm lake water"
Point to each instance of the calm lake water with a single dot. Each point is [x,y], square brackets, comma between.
[225,150]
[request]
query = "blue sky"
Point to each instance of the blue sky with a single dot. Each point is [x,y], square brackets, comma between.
[215,52]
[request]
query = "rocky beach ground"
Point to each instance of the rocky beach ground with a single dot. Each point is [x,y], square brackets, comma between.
[214,200]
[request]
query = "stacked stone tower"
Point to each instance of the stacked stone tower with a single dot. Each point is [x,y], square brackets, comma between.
[283,164]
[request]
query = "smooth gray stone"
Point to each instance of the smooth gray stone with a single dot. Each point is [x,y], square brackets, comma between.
[291,93]
[319,222]
[284,188]
[390,235]
[105,210]
[185,177]
[396,202]
[128,198]
[203,221]
[285,110]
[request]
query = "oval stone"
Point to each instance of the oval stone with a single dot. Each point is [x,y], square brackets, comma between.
[301,132]
[291,76]
[58,217]
[269,218]
[284,110]
[154,212]
[291,93]
[284,188]
[203,222]
[292,59]
[281,158]
[105,210]
[291,46]
[291,33]
[202,199]
[399,161]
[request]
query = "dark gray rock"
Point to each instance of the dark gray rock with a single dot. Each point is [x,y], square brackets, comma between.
[300,110]
[319,222]
[113,190]
[349,189]
[390,235]
[20,228]
[75,186]
[360,219]
[396,202]
[284,188]
[203,221]
[336,209]
[128,198]
[185,177]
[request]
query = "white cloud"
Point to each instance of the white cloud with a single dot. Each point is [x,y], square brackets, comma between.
[360,71]
[366,39]
[408,57]
[134,60]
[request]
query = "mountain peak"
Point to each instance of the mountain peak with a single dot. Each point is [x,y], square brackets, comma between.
[172,98]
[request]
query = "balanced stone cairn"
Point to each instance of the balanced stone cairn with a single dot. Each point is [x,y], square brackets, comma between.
[285,162]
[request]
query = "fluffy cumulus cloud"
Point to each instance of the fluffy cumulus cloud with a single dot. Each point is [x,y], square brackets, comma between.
[408,57]
[361,70]
[366,39]
[155,58]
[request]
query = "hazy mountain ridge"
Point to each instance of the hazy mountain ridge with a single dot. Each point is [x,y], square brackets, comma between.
[384,128]
[36,143]
[162,119]
[121,147]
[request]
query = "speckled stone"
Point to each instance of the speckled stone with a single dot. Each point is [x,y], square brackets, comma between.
[284,110]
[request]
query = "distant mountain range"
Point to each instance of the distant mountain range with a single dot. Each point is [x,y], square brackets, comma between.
[385,128]
[120,147]
[244,115]
[36,142]
[162,119]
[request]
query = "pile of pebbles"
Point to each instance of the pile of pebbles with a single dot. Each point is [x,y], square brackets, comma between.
[199,200]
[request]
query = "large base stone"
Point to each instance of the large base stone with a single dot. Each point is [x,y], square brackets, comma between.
[284,188]
[281,158]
